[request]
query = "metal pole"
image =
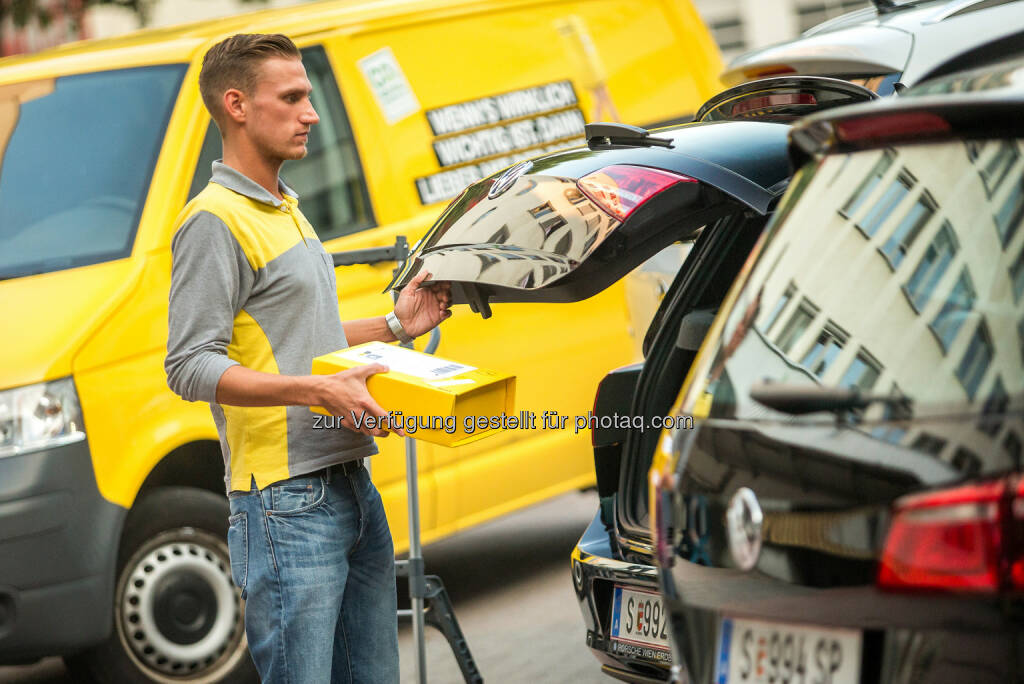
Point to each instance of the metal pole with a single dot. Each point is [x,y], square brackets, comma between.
[415,560]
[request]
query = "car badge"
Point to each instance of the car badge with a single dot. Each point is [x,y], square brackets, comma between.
[744,520]
[508,179]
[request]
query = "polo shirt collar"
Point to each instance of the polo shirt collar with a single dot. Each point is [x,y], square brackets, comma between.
[236,181]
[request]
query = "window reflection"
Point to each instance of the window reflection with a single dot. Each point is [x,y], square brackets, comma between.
[824,350]
[798,323]
[867,185]
[932,266]
[863,372]
[903,236]
[881,210]
[1008,218]
[925,295]
[958,305]
[976,361]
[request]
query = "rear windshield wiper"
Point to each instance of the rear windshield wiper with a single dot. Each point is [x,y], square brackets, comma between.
[801,399]
[607,133]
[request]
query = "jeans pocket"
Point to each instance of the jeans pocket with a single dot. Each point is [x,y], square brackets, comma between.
[296,496]
[238,549]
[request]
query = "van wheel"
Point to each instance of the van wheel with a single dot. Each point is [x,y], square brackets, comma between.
[177,615]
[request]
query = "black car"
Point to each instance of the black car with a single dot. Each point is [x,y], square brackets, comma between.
[562,227]
[849,505]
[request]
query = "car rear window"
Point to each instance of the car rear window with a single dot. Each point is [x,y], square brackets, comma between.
[77,157]
[897,271]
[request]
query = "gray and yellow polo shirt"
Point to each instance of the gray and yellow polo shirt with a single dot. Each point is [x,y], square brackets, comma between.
[251,284]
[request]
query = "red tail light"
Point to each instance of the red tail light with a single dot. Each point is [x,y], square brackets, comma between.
[962,539]
[891,126]
[753,106]
[620,189]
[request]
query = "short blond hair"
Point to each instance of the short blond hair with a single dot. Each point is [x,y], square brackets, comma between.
[234,63]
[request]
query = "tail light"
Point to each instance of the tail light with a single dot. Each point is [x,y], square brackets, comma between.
[899,126]
[620,189]
[962,539]
[764,104]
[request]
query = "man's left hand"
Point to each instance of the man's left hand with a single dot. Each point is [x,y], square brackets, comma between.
[421,305]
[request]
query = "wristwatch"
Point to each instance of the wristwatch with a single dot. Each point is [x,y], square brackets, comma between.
[395,326]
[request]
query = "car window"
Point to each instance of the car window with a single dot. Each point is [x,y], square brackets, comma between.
[917,290]
[329,179]
[77,157]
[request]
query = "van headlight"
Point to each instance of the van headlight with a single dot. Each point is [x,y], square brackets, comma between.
[38,416]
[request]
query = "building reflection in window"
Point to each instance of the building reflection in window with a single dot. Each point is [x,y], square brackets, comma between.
[863,372]
[1008,218]
[933,300]
[976,360]
[798,323]
[954,312]
[825,349]
[933,264]
[867,185]
[883,208]
[898,244]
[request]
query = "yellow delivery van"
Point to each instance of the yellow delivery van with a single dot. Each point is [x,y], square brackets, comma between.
[112,505]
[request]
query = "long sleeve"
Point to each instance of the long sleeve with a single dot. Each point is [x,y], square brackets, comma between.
[210,282]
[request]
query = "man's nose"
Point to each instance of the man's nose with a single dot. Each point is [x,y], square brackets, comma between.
[309,116]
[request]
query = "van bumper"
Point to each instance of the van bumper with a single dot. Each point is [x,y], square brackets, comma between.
[58,549]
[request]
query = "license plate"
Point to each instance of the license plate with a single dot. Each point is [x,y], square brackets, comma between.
[755,652]
[639,624]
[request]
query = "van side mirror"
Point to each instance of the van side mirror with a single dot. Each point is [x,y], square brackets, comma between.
[694,328]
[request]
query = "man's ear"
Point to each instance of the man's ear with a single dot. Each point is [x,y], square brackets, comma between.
[235,105]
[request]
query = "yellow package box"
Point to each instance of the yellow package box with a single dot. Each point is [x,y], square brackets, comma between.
[432,399]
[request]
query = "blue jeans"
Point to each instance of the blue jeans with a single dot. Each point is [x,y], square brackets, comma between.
[314,558]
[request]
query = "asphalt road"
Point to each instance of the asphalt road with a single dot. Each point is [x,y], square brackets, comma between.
[509,582]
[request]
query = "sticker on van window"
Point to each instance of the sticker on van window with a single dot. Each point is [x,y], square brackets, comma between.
[389,85]
[476,138]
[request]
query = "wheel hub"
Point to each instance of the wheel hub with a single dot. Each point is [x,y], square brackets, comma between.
[184,606]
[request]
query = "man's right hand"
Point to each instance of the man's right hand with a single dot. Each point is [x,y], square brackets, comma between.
[345,395]
[342,394]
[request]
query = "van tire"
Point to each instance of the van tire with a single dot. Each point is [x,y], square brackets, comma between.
[177,616]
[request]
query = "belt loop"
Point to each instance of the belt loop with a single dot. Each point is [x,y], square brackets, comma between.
[327,474]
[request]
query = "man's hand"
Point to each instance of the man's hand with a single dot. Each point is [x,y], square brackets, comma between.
[421,307]
[345,395]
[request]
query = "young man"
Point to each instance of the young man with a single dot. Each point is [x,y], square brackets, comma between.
[252,302]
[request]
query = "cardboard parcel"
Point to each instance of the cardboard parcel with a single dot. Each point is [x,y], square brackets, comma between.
[432,399]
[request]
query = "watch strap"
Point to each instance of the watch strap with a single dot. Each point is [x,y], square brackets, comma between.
[395,326]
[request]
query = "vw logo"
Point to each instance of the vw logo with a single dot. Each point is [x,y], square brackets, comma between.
[507,179]
[743,520]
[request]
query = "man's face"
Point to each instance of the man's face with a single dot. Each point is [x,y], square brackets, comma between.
[281,113]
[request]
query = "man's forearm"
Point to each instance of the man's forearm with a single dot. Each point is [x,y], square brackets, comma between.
[363,330]
[241,386]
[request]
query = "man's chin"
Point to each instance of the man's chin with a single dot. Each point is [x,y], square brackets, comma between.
[297,152]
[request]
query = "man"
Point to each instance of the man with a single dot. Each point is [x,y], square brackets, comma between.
[252,302]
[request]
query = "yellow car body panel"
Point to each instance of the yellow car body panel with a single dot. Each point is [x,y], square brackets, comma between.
[106,324]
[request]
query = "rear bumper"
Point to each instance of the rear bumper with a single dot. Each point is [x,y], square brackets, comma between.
[58,548]
[595,572]
[906,639]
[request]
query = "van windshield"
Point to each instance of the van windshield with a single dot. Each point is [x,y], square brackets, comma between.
[76,157]
[899,272]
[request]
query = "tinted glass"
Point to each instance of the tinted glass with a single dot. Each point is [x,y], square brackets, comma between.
[79,156]
[329,179]
[940,324]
